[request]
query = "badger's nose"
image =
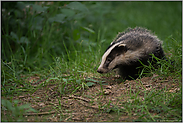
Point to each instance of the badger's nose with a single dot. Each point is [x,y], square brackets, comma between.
[99,71]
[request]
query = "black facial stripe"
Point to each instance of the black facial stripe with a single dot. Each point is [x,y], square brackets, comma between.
[110,57]
[108,60]
[117,41]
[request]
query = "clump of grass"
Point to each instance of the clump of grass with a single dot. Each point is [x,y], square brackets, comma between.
[170,66]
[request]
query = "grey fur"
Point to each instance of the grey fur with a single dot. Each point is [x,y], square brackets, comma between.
[128,48]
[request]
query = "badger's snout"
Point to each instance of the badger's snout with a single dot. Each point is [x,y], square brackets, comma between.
[100,71]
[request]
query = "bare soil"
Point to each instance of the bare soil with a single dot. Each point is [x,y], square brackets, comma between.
[93,104]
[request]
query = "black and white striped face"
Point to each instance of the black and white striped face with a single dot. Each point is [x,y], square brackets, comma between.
[112,57]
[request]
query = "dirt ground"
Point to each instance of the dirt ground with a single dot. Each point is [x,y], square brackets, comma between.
[93,104]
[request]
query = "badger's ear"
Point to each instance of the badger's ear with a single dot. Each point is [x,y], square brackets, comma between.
[122,45]
[122,48]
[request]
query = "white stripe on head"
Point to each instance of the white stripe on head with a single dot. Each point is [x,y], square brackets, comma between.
[108,52]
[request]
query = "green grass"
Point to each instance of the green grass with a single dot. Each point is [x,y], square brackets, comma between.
[65,45]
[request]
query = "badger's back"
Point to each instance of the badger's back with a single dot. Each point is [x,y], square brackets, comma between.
[140,43]
[128,48]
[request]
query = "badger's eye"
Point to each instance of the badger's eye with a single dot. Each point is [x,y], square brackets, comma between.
[108,60]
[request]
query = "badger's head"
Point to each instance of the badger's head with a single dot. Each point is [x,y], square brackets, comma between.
[113,57]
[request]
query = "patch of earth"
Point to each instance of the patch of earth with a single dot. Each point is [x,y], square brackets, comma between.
[93,104]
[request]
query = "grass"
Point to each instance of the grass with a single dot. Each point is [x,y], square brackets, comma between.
[64,44]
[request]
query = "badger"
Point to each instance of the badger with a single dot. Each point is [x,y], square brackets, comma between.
[130,50]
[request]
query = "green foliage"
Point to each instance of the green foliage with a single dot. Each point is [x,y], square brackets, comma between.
[10,111]
[32,28]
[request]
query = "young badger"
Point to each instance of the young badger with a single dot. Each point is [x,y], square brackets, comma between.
[127,49]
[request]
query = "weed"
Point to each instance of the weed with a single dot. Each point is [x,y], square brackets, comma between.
[13,112]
